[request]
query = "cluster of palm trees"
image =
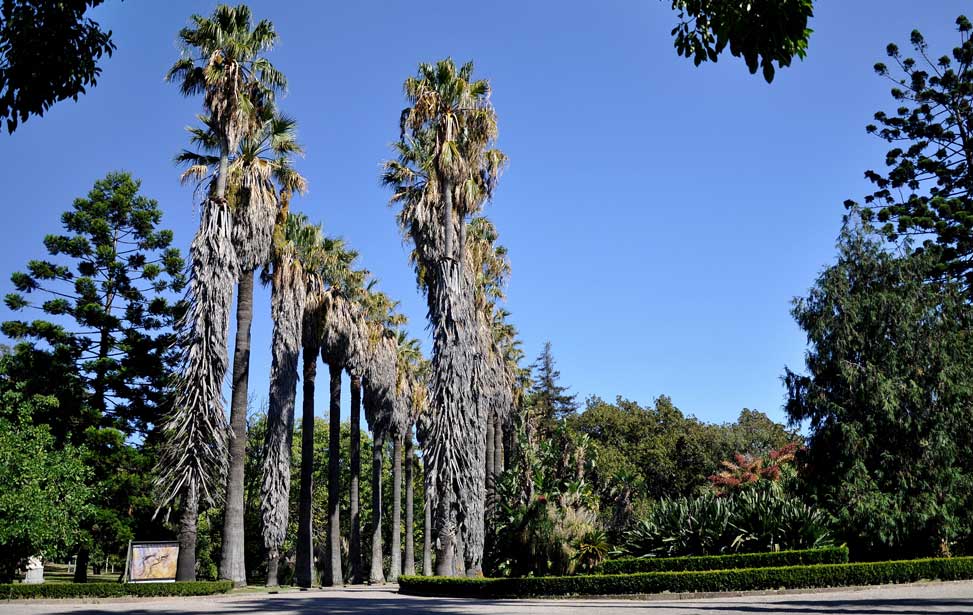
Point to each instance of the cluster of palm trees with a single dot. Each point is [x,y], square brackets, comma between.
[458,404]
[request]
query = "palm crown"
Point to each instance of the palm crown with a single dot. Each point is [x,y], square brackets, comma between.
[221,60]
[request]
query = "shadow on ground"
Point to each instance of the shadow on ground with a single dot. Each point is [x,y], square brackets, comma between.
[336,604]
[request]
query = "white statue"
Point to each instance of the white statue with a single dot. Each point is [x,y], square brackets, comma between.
[35,570]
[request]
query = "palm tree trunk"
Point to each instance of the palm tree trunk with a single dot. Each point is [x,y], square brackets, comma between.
[333,576]
[354,546]
[232,565]
[186,562]
[490,465]
[448,219]
[310,358]
[426,521]
[410,535]
[395,567]
[304,573]
[459,555]
[498,453]
[444,554]
[376,574]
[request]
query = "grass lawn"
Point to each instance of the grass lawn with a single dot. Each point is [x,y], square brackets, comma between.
[58,573]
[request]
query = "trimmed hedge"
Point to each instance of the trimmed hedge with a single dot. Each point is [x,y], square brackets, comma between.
[629,565]
[16,591]
[745,579]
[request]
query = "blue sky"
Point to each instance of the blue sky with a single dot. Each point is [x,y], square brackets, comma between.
[659,217]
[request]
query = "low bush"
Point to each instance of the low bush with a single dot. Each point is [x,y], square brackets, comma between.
[745,579]
[628,565]
[16,591]
[759,518]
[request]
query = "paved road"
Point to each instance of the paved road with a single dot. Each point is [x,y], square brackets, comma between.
[911,600]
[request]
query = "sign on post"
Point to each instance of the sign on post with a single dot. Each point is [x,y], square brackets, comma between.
[152,561]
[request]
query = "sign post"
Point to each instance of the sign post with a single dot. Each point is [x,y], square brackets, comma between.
[152,561]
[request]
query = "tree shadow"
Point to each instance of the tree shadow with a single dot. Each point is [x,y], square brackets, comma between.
[335,603]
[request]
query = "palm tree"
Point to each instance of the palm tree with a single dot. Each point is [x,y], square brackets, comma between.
[445,172]
[382,403]
[305,263]
[291,272]
[418,373]
[335,275]
[221,60]
[261,162]
[408,356]
[492,269]
[354,512]
[340,344]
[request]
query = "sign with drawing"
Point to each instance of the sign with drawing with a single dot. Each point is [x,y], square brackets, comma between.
[152,562]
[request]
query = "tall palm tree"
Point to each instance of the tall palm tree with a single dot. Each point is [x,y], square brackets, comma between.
[408,356]
[340,345]
[334,274]
[378,366]
[261,162]
[221,60]
[445,172]
[489,261]
[354,511]
[291,272]
[418,373]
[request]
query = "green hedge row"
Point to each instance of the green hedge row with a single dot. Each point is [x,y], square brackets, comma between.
[16,591]
[629,565]
[818,575]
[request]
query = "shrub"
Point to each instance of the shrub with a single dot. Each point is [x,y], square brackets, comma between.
[683,526]
[15,591]
[820,575]
[628,565]
[758,519]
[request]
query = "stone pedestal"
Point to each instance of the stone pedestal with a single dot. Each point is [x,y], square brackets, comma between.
[35,571]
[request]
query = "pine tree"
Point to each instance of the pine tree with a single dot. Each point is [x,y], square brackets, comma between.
[105,348]
[548,402]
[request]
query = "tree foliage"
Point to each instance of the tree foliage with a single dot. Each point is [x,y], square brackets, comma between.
[761,31]
[105,350]
[548,402]
[926,190]
[46,489]
[105,292]
[49,52]
[887,399]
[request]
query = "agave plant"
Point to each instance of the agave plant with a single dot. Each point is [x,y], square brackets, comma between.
[684,526]
[769,520]
[763,518]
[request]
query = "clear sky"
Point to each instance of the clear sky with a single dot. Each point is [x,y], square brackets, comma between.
[659,217]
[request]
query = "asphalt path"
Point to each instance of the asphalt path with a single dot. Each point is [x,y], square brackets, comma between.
[916,599]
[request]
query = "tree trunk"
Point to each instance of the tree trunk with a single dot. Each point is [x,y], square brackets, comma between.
[232,565]
[304,573]
[395,567]
[410,534]
[81,567]
[444,554]
[333,576]
[376,574]
[354,546]
[426,522]
[490,461]
[459,555]
[498,453]
[448,220]
[186,562]
[490,487]
[273,563]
